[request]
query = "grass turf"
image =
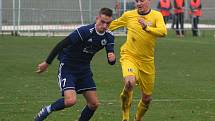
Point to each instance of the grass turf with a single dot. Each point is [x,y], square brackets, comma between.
[184,86]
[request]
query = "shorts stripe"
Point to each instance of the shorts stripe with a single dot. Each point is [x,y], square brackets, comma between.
[59,75]
[91,88]
[68,88]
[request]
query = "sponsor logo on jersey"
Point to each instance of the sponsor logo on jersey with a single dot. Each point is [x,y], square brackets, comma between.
[103,42]
[90,40]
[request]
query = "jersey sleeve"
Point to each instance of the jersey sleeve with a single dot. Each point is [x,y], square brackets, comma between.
[57,49]
[110,43]
[160,28]
[110,47]
[117,23]
[73,38]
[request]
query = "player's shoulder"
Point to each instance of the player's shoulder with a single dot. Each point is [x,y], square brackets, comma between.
[86,28]
[130,12]
[109,32]
[155,12]
[109,36]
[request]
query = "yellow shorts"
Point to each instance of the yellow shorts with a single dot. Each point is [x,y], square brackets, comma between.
[144,80]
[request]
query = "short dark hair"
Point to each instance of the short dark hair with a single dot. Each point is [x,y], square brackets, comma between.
[106,11]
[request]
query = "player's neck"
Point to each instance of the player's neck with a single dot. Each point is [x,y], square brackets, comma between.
[98,32]
[144,12]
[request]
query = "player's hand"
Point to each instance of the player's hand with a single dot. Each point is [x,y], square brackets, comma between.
[142,23]
[111,57]
[42,67]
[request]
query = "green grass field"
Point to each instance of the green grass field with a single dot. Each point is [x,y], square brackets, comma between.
[184,88]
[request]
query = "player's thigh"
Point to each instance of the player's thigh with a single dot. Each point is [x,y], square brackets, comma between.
[91,98]
[130,74]
[146,82]
[129,69]
[68,94]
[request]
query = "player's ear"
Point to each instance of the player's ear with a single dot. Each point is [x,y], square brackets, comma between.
[97,17]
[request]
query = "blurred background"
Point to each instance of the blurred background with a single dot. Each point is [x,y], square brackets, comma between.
[52,17]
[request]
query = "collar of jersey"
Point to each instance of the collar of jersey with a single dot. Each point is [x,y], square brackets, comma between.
[100,34]
[144,13]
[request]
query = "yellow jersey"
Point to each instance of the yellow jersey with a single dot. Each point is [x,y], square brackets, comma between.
[140,44]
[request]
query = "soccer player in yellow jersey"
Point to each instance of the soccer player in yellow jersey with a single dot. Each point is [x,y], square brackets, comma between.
[143,25]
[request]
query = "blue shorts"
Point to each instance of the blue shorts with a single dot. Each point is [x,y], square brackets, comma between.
[75,78]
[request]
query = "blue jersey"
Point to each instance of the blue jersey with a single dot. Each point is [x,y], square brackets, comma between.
[75,53]
[84,42]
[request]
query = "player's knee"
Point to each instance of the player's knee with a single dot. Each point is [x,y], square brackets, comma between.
[93,105]
[70,102]
[146,99]
[124,96]
[129,83]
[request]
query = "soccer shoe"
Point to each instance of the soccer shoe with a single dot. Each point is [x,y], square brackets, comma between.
[41,115]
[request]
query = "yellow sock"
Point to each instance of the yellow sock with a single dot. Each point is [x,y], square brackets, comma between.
[141,109]
[126,97]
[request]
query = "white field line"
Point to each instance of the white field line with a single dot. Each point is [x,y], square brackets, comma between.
[116,101]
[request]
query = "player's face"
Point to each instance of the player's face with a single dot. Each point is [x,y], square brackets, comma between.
[143,5]
[102,23]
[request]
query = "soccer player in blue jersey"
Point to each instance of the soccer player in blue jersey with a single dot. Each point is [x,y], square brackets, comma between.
[75,53]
